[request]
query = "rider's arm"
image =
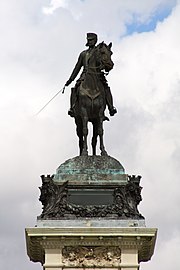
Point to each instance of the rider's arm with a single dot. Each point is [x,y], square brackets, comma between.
[76,69]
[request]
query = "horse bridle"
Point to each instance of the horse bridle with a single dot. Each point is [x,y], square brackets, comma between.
[101,65]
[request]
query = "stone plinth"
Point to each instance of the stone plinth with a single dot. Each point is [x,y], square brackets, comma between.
[90,218]
[90,247]
[91,170]
[90,187]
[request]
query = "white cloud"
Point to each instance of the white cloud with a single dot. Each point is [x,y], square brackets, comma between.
[38,51]
[54,5]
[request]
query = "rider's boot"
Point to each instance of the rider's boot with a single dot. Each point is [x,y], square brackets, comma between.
[72,102]
[71,112]
[109,101]
[112,111]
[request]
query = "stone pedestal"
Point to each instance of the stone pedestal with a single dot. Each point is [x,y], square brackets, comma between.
[90,218]
[90,247]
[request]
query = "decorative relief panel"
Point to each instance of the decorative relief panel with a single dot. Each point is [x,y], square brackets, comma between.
[90,256]
[56,205]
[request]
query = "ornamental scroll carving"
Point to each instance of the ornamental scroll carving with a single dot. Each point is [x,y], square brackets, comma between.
[91,256]
[56,204]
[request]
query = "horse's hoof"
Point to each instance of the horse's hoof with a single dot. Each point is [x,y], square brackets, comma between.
[84,153]
[104,153]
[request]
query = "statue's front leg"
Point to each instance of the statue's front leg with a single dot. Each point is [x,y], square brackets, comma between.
[100,133]
[94,138]
[85,134]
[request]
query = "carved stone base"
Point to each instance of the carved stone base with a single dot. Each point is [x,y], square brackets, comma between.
[90,218]
[90,187]
[90,247]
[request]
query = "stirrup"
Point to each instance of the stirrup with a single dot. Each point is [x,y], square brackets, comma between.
[105,118]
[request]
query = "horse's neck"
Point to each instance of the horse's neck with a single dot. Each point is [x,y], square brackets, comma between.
[91,80]
[93,68]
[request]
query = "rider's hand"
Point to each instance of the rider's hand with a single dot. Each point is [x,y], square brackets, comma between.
[68,82]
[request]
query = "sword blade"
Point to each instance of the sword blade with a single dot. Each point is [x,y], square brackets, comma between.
[62,90]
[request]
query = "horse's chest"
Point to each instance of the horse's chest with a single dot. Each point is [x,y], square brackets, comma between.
[89,92]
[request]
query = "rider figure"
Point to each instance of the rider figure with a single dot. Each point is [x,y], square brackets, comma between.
[83,62]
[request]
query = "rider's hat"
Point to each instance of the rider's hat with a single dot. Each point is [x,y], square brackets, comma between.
[91,35]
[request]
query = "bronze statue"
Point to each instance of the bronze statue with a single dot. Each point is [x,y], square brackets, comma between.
[83,62]
[91,93]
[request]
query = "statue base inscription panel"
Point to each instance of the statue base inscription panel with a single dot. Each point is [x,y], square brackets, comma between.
[91,186]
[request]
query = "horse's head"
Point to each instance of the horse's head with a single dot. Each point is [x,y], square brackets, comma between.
[105,56]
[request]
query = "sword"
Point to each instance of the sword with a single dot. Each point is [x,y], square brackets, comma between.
[62,90]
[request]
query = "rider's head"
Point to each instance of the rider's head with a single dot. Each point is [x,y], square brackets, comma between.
[91,39]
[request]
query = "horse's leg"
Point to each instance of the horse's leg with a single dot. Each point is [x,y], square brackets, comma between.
[85,133]
[79,132]
[80,145]
[94,138]
[100,133]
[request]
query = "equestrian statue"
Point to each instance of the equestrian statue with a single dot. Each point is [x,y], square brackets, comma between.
[91,93]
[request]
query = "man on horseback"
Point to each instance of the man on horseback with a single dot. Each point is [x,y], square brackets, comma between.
[83,62]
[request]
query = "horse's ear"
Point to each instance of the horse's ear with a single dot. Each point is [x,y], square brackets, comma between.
[110,45]
[101,44]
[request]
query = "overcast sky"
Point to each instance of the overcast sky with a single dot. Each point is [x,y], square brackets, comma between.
[40,43]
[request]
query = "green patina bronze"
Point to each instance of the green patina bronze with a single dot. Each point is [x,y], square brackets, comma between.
[91,170]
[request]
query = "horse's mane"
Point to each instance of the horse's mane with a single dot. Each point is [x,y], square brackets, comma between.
[101,44]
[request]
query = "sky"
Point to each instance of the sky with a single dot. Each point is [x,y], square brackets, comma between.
[40,43]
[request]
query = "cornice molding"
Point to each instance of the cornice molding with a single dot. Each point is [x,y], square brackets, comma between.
[40,239]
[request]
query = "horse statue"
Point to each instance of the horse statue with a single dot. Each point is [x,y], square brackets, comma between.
[91,99]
